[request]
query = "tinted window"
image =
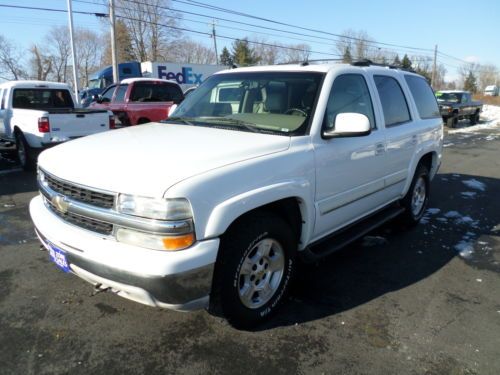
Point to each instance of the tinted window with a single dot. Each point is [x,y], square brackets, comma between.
[120,93]
[108,94]
[153,92]
[424,97]
[393,101]
[41,98]
[230,94]
[349,94]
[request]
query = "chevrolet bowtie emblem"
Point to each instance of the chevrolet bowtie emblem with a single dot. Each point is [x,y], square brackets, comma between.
[60,203]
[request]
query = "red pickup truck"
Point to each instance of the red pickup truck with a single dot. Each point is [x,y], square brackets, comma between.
[139,100]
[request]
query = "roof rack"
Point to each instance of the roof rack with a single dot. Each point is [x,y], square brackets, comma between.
[368,62]
[307,62]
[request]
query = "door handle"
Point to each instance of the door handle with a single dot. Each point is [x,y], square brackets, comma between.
[380,149]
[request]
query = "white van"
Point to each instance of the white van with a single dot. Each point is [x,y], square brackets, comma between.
[491,90]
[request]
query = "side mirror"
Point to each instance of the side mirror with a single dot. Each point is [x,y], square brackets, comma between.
[349,125]
[96,98]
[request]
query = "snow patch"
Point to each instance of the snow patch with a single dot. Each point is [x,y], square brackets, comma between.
[490,119]
[433,211]
[474,184]
[465,248]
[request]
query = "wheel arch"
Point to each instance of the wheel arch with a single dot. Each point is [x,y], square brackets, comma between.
[430,160]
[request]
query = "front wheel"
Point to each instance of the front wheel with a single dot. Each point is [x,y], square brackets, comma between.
[416,199]
[254,269]
[452,122]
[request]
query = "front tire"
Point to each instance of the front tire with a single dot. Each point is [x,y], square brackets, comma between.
[25,154]
[254,269]
[452,122]
[416,199]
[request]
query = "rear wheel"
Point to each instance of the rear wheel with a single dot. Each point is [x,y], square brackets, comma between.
[416,199]
[254,269]
[25,154]
[452,122]
[474,119]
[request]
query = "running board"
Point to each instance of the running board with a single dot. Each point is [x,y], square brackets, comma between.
[351,233]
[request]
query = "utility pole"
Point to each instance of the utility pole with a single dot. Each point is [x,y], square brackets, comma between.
[114,61]
[434,67]
[215,42]
[73,53]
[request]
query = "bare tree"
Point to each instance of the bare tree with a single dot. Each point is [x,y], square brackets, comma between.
[41,63]
[296,52]
[359,44]
[189,51]
[10,61]
[88,53]
[269,52]
[58,45]
[488,75]
[466,69]
[148,23]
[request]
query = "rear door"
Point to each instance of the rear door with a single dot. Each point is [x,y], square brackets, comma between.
[401,132]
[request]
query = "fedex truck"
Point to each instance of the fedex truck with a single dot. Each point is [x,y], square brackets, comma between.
[186,75]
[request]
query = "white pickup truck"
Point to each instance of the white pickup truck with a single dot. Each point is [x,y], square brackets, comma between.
[258,166]
[38,114]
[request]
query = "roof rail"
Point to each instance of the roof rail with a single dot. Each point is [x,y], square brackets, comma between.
[368,62]
[307,62]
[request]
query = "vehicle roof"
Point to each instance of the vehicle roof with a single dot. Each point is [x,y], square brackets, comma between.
[34,84]
[316,67]
[490,87]
[142,79]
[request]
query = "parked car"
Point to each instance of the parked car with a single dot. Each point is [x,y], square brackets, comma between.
[491,90]
[458,105]
[139,100]
[212,207]
[37,115]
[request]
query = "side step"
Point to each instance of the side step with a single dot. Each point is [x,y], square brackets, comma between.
[349,234]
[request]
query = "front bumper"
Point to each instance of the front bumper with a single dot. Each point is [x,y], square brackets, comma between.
[179,280]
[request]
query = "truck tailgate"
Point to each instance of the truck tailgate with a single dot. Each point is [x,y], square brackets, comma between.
[78,123]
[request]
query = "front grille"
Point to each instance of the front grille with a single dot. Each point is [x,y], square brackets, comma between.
[80,194]
[81,221]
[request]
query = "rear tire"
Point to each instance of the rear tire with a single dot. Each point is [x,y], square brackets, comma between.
[25,154]
[474,119]
[254,269]
[452,122]
[416,199]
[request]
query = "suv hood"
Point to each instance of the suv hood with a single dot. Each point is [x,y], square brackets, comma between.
[148,159]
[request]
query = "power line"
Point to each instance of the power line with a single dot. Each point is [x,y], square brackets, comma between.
[52,10]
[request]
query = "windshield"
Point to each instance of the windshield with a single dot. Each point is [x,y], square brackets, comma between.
[265,102]
[95,84]
[448,97]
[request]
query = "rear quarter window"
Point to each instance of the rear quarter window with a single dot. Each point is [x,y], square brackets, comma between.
[424,97]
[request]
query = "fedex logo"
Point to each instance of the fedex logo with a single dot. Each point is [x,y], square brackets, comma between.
[186,76]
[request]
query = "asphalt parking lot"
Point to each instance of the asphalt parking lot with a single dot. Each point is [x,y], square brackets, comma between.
[425,301]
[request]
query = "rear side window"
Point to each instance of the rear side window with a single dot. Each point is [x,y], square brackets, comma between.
[394,103]
[120,93]
[424,97]
[147,92]
[3,94]
[349,94]
[108,94]
[41,98]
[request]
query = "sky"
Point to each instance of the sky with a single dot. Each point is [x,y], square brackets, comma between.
[464,30]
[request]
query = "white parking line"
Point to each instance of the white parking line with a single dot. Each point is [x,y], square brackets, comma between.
[10,171]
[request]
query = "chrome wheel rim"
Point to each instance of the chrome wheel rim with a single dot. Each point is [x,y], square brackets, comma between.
[21,152]
[260,273]
[418,198]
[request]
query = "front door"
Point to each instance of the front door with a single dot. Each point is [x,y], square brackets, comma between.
[350,171]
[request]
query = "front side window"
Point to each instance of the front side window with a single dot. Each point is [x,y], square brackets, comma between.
[108,94]
[279,103]
[120,93]
[424,97]
[349,94]
[393,101]
[42,98]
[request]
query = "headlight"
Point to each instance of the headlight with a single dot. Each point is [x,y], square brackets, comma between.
[154,208]
[446,108]
[155,241]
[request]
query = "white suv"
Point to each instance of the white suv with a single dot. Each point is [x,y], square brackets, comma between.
[257,166]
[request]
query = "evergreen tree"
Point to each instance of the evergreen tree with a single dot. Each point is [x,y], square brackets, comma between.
[397,61]
[406,62]
[226,58]
[347,58]
[243,54]
[470,83]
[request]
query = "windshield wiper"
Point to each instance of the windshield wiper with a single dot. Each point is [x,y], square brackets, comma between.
[231,121]
[184,120]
